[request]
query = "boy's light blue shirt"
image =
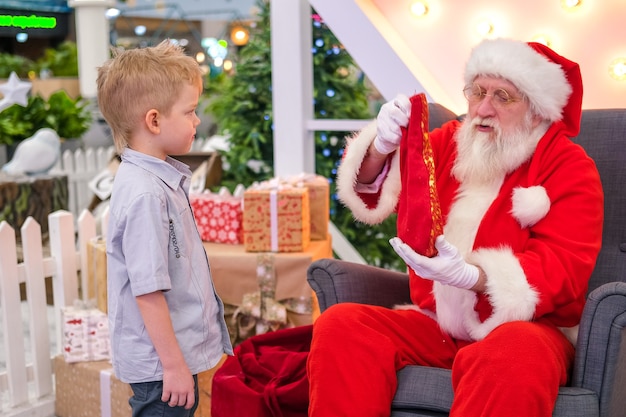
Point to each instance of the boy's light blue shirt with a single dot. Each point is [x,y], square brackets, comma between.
[153,245]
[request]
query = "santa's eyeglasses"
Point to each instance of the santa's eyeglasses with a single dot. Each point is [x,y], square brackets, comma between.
[500,97]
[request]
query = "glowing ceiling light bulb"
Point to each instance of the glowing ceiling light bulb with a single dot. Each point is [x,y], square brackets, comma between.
[571,4]
[419,8]
[484,28]
[617,69]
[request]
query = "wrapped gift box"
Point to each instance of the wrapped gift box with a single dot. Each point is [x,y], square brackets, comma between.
[234,270]
[276,218]
[85,334]
[97,272]
[319,204]
[239,275]
[319,201]
[89,389]
[218,216]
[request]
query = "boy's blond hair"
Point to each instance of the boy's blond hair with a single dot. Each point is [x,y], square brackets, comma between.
[137,80]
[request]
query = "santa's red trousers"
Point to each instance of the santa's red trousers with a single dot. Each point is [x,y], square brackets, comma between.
[356,350]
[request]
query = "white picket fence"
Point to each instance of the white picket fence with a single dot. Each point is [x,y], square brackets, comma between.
[81,166]
[26,381]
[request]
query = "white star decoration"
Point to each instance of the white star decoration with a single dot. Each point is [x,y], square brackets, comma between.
[14,92]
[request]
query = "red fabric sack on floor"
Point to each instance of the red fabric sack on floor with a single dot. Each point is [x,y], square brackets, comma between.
[266,377]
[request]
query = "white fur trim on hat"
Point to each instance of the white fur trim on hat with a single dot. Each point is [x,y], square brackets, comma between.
[541,80]
[530,205]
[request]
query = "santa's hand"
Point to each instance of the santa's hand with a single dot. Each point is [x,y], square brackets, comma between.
[392,116]
[448,267]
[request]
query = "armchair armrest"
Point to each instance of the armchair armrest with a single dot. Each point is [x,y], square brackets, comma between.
[336,281]
[600,363]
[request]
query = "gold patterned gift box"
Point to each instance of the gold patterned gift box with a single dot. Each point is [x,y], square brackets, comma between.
[319,202]
[276,217]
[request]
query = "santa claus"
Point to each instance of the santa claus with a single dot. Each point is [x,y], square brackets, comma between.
[521,209]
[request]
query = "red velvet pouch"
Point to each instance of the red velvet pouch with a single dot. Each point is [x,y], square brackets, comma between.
[419,215]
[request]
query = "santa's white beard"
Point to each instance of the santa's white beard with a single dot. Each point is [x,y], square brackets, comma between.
[487,157]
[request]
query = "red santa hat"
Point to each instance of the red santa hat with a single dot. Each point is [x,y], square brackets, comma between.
[552,83]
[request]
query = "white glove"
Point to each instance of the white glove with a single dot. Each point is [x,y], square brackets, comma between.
[448,267]
[392,116]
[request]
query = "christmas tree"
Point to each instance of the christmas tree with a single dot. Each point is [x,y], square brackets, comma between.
[243,112]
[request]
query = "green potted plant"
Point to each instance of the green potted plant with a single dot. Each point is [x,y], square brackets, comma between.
[55,102]
[15,63]
[57,69]
[61,61]
[69,117]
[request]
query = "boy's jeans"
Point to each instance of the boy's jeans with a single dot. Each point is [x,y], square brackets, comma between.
[146,401]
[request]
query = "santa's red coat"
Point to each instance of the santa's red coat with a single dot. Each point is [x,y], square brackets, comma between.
[536,237]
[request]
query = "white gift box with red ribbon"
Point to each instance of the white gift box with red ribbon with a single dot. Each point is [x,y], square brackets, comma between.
[85,333]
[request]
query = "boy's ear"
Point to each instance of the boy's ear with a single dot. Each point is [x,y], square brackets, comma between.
[152,120]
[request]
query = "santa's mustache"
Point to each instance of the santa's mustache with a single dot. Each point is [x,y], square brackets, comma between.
[486,122]
[484,156]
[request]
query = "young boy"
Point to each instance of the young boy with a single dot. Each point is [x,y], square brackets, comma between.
[166,321]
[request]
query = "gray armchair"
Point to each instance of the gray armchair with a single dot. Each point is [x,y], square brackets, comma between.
[599,375]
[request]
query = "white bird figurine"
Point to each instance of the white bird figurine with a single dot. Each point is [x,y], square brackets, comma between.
[35,155]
